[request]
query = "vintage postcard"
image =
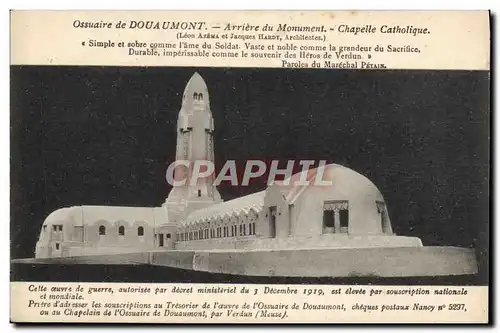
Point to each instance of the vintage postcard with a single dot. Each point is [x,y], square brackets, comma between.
[250,167]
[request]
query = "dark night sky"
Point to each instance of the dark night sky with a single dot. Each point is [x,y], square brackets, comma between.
[94,135]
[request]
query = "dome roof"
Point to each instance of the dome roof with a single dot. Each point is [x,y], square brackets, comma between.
[329,176]
[60,215]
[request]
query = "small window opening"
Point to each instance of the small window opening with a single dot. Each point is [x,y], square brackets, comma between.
[336,216]
[328,220]
[102,230]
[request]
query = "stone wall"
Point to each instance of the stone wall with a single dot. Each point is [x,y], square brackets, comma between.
[76,250]
[355,262]
[322,241]
[112,236]
[384,262]
[177,259]
[217,244]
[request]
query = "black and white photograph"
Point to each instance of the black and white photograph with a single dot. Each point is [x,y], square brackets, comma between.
[249,175]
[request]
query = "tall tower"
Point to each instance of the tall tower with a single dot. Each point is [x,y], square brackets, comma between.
[195,127]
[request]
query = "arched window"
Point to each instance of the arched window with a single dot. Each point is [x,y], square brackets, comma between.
[199,193]
[121,231]
[140,231]
[102,230]
[197,96]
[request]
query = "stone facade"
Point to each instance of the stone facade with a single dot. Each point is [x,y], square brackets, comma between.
[350,213]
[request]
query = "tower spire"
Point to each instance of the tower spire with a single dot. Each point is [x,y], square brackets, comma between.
[195,127]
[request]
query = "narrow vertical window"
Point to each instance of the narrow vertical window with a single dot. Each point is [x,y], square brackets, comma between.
[140,231]
[272,221]
[328,221]
[384,217]
[344,220]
